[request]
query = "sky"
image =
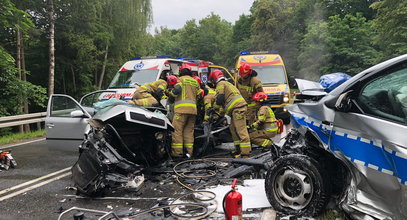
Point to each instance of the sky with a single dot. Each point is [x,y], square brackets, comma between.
[174,13]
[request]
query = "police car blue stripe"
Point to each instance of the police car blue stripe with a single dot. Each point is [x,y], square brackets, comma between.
[359,150]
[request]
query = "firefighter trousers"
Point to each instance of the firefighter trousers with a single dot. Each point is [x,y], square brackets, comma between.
[183,135]
[146,102]
[144,98]
[239,131]
[262,138]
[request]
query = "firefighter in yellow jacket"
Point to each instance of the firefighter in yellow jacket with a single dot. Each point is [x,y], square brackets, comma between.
[228,97]
[185,94]
[265,127]
[147,94]
[209,100]
[248,85]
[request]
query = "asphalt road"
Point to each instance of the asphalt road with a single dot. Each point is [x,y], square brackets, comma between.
[41,187]
[46,197]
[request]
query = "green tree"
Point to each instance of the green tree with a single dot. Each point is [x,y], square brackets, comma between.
[391,24]
[189,37]
[166,42]
[338,45]
[241,33]
[214,34]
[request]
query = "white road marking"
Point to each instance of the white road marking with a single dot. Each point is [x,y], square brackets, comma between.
[33,181]
[15,145]
[33,186]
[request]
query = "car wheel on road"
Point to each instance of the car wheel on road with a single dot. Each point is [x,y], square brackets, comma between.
[295,185]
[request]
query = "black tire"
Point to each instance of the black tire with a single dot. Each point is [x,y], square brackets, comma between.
[295,186]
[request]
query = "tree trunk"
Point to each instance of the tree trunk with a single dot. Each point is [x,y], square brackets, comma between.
[95,77]
[63,82]
[102,74]
[18,62]
[51,77]
[24,78]
[73,79]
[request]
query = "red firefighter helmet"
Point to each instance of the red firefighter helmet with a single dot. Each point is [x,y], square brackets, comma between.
[171,80]
[197,79]
[215,76]
[260,97]
[185,69]
[245,70]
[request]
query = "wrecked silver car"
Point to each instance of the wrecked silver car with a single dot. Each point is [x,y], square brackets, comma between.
[121,142]
[349,145]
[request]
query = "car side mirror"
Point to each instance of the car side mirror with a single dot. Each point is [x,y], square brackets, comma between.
[78,114]
[343,103]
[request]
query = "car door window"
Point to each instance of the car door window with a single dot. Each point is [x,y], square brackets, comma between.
[386,96]
[92,98]
[63,106]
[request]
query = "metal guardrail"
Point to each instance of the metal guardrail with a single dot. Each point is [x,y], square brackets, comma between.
[10,121]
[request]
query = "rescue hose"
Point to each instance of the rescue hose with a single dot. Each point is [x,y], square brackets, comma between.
[204,214]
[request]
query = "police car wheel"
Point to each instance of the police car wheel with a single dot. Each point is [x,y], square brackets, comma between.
[295,186]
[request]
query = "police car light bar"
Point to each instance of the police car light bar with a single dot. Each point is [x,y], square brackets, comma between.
[259,52]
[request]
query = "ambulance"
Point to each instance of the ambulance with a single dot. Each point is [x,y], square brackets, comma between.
[271,71]
[140,70]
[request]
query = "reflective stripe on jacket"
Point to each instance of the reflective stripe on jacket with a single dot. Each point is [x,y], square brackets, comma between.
[231,94]
[248,87]
[185,101]
[152,88]
[266,119]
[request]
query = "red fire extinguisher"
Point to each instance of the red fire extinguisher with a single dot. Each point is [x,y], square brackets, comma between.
[232,204]
[280,125]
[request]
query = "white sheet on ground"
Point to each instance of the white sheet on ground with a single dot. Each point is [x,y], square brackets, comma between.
[253,193]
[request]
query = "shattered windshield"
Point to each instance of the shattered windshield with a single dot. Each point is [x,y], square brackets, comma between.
[270,74]
[131,78]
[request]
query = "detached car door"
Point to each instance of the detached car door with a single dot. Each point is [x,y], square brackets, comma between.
[372,135]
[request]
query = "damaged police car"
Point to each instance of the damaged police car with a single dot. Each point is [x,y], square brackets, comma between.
[349,145]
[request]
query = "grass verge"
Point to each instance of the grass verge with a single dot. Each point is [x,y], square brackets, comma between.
[14,138]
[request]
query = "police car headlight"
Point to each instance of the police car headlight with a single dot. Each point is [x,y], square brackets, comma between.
[286,99]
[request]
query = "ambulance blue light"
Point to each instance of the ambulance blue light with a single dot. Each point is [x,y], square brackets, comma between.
[136,58]
[162,56]
[258,52]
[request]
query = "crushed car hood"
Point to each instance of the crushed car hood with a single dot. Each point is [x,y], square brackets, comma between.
[134,114]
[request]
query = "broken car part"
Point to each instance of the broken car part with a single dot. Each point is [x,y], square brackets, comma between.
[6,160]
[121,141]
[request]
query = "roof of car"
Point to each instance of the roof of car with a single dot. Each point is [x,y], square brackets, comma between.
[146,63]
